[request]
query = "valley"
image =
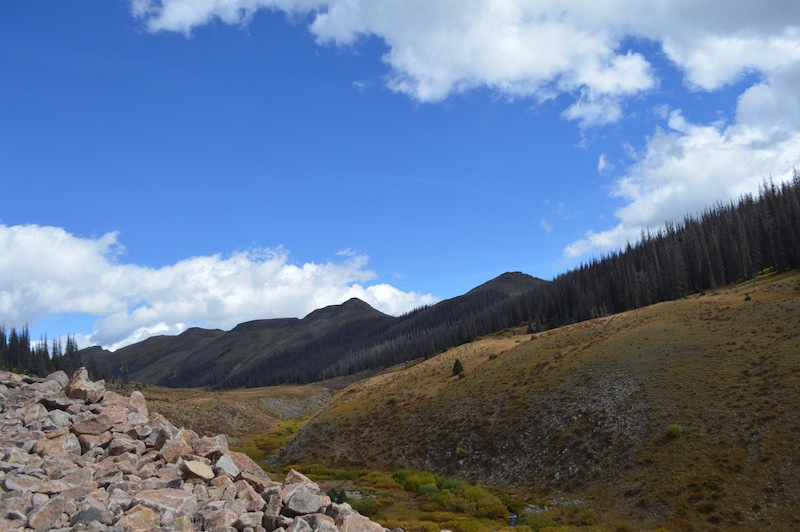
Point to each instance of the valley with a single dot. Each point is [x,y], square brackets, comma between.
[681,415]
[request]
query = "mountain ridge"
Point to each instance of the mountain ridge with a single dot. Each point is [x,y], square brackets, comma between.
[329,335]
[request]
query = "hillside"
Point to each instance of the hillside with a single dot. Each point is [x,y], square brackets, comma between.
[727,244]
[683,414]
[334,341]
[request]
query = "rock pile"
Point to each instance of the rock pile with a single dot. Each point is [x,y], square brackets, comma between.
[75,456]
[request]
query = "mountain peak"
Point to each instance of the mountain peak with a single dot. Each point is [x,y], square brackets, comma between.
[355,303]
[511,283]
[352,307]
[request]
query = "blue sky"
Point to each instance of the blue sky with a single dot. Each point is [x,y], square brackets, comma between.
[169,163]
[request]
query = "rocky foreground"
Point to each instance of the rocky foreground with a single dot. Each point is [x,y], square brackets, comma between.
[75,456]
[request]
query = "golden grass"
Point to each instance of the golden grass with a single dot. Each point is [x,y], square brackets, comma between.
[582,412]
[575,419]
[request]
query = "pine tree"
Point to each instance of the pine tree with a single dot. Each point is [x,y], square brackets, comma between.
[458,367]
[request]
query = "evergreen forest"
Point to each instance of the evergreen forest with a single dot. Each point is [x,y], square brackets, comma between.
[727,243]
[40,358]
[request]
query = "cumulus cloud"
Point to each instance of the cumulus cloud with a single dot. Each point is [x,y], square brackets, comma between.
[687,167]
[46,271]
[596,56]
[516,48]
[531,49]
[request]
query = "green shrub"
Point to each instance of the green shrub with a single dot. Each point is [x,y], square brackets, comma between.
[430,507]
[367,506]
[445,483]
[493,356]
[337,496]
[379,480]
[674,431]
[412,480]
[427,489]
[439,517]
[461,375]
[461,452]
[345,474]
[471,525]
[412,526]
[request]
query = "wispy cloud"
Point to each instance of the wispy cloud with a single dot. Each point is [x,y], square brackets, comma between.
[46,271]
[603,166]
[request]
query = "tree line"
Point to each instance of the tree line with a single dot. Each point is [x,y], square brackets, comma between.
[39,358]
[726,243]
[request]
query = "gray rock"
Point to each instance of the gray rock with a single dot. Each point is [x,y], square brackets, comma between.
[197,468]
[59,376]
[218,519]
[211,447]
[319,522]
[78,457]
[298,525]
[167,499]
[43,517]
[304,499]
[60,418]
[226,466]
[357,523]
[250,519]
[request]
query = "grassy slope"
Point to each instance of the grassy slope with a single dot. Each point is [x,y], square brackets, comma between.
[242,414]
[582,412]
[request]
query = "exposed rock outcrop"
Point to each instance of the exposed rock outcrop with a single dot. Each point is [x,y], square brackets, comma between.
[75,456]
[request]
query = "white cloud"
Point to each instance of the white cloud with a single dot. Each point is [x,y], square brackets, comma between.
[516,48]
[688,167]
[603,165]
[529,49]
[546,226]
[587,51]
[46,271]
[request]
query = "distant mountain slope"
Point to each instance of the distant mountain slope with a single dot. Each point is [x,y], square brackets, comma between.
[148,360]
[586,412]
[726,244]
[333,341]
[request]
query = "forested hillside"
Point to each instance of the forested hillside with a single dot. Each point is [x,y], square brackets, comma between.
[681,415]
[333,341]
[724,244]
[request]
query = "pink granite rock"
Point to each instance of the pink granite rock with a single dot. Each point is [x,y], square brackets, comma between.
[80,387]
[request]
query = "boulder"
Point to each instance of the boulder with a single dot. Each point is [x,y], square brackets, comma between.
[197,468]
[357,523]
[80,387]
